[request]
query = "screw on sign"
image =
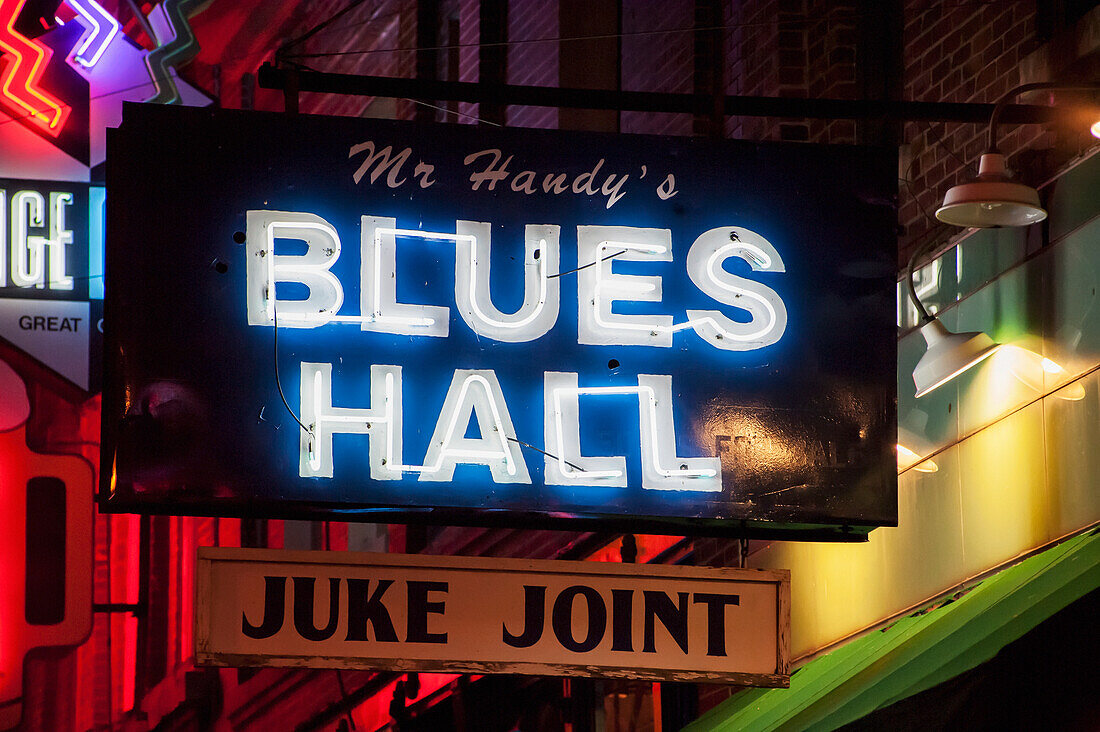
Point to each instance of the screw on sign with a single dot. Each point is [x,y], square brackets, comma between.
[45,523]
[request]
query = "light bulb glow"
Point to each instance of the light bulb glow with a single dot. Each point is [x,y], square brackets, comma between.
[1030,367]
[1051,367]
[960,370]
[909,459]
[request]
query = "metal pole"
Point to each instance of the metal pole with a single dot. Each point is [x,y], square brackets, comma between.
[271,77]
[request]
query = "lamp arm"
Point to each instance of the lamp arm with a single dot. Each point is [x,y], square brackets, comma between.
[999,107]
[917,254]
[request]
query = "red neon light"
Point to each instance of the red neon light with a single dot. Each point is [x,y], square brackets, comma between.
[20,77]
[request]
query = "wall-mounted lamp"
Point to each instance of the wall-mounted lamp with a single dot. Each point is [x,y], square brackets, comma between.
[993,199]
[949,354]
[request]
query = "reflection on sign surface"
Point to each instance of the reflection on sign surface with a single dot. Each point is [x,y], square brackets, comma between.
[570,325]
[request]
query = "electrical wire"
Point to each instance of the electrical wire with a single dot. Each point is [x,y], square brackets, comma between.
[278,381]
[943,143]
[321,26]
[553,457]
[929,243]
[455,112]
[586,266]
[473,117]
[627,34]
[558,39]
[906,179]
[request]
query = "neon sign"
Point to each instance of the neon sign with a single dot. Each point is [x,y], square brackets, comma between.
[37,227]
[645,337]
[20,79]
[479,391]
[100,29]
[176,45]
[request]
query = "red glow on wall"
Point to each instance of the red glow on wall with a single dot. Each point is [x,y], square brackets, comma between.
[649,546]
[22,74]
[19,465]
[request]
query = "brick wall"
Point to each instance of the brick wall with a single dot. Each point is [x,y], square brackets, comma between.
[831,56]
[792,48]
[362,38]
[533,64]
[752,44]
[469,29]
[657,62]
[958,53]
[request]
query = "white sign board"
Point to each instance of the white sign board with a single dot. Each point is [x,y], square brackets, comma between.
[268,607]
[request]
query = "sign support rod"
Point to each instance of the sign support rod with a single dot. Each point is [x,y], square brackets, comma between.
[271,77]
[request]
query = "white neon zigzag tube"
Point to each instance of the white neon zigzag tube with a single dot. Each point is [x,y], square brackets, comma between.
[758,254]
[391,461]
[377,314]
[652,413]
[92,12]
[269,295]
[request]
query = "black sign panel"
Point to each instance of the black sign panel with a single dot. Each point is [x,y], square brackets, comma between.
[392,321]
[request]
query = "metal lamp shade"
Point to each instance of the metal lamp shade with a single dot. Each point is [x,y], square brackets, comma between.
[991,200]
[948,355]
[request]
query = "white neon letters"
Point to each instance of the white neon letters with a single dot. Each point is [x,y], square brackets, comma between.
[704,266]
[662,469]
[598,286]
[378,293]
[561,430]
[60,237]
[382,422]
[614,307]
[28,253]
[382,312]
[541,298]
[473,393]
[265,269]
